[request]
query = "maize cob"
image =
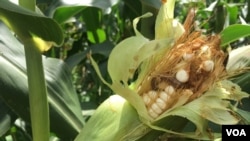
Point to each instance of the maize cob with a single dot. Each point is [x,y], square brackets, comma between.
[193,64]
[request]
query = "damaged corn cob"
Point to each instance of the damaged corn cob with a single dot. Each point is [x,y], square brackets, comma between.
[191,66]
[177,67]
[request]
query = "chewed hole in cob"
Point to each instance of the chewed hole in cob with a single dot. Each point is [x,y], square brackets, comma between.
[191,66]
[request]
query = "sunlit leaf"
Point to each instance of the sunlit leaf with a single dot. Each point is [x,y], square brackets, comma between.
[26,23]
[97,36]
[233,13]
[65,111]
[233,33]
[70,8]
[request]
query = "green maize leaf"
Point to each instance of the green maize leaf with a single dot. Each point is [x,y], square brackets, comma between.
[26,23]
[233,13]
[65,111]
[114,120]
[152,3]
[70,8]
[233,33]
[6,118]
[245,115]
[63,13]
[102,48]
[92,18]
[5,123]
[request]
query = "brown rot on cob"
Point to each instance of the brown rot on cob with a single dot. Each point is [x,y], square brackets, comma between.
[190,67]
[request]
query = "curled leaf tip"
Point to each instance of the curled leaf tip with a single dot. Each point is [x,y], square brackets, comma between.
[136,20]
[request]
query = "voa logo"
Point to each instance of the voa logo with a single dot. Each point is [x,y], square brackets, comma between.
[236,132]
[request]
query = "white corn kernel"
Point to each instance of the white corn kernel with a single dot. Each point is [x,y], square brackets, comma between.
[152,113]
[164,96]
[182,75]
[187,56]
[152,94]
[146,99]
[188,92]
[208,65]
[204,48]
[161,103]
[169,89]
[156,108]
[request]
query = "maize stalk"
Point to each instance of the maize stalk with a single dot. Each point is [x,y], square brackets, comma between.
[181,73]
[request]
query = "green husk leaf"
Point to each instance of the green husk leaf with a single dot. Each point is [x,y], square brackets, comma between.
[122,63]
[114,120]
[209,106]
[239,63]
[239,58]
[166,26]
[136,20]
[143,53]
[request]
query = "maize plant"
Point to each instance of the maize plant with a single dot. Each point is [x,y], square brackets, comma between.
[181,73]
